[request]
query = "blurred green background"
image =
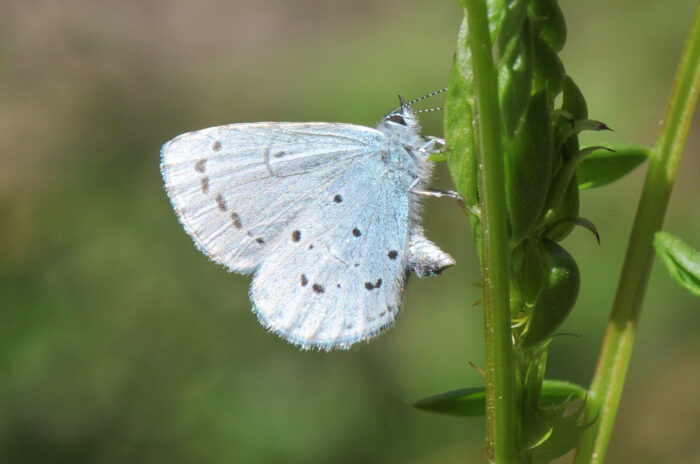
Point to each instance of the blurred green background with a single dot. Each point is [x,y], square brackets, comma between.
[120,342]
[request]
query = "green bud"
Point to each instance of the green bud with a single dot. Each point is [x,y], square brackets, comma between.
[528,168]
[555,299]
[515,69]
[549,71]
[548,23]
[530,263]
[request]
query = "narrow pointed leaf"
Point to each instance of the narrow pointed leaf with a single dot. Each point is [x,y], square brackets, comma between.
[467,402]
[471,402]
[581,125]
[603,166]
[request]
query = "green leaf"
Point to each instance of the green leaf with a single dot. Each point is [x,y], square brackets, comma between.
[681,260]
[603,166]
[471,402]
[467,402]
[581,125]
[460,133]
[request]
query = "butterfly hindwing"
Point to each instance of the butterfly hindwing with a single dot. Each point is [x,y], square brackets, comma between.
[337,275]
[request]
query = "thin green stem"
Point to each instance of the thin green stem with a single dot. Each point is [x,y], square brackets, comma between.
[606,388]
[502,429]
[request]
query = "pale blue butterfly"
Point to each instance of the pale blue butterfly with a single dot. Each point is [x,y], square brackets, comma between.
[326,215]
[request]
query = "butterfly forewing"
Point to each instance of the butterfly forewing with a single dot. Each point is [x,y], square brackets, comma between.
[236,187]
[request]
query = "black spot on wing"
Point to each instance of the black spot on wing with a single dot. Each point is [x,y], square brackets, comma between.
[338,199]
[260,241]
[220,202]
[199,166]
[356,232]
[296,236]
[236,220]
[216,146]
[304,280]
[205,185]
[393,254]
[318,288]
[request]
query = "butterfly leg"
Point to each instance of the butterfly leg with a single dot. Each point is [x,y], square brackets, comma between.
[437,140]
[436,193]
[425,258]
[431,192]
[433,145]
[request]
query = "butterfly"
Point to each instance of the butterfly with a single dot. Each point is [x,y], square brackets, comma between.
[325,215]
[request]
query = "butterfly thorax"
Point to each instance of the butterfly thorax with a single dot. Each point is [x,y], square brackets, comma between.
[405,153]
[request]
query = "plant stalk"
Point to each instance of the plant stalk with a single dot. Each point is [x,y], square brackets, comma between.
[502,414]
[606,388]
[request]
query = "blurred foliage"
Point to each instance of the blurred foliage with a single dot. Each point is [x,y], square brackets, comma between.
[120,342]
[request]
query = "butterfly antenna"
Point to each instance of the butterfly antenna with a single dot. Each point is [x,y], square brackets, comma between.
[431,94]
[410,102]
[428,110]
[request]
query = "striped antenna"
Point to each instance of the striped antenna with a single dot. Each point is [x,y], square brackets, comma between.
[428,110]
[410,102]
[431,94]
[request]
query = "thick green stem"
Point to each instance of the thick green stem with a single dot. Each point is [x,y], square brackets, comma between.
[606,388]
[501,393]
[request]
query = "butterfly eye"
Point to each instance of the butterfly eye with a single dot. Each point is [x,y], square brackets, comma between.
[397,118]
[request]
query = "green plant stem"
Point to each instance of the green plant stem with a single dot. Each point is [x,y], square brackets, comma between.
[502,429]
[606,388]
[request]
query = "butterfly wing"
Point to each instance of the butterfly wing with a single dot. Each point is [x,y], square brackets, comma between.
[338,274]
[236,187]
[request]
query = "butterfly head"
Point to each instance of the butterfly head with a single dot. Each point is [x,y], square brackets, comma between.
[403,118]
